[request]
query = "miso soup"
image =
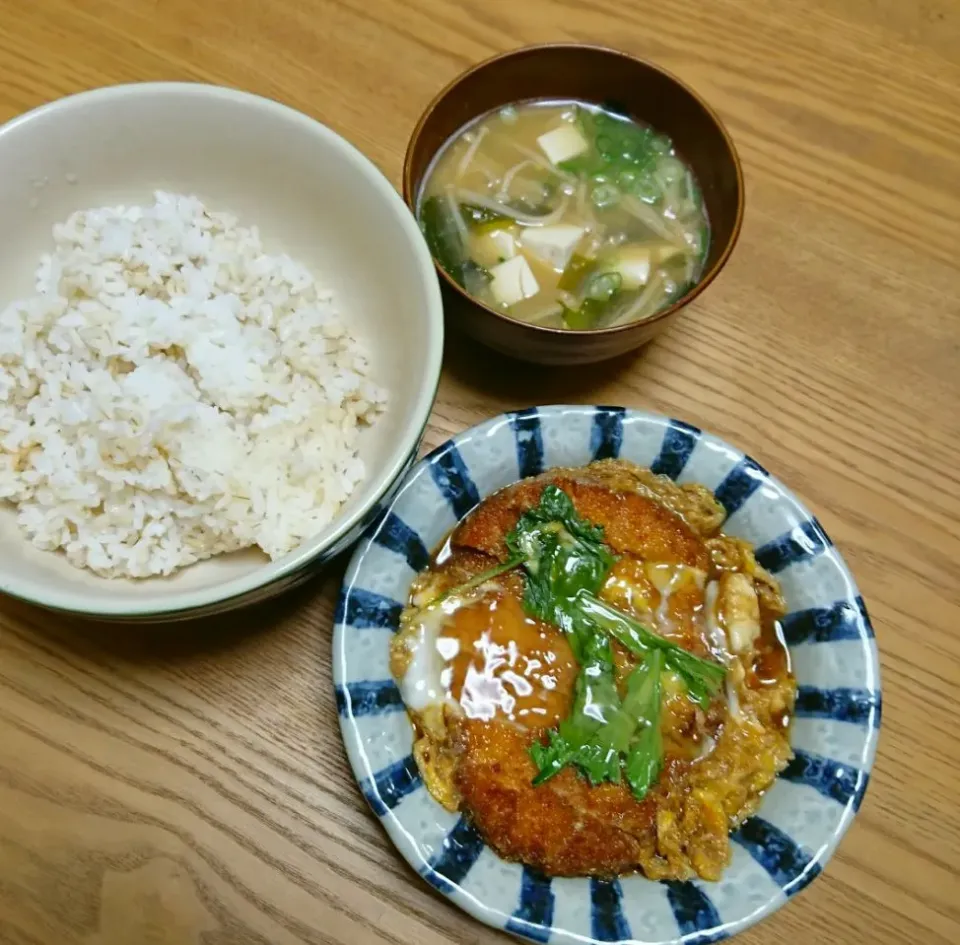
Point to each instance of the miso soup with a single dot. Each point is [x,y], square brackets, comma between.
[565,214]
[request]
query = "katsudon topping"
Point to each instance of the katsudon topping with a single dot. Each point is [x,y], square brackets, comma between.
[596,676]
[605,737]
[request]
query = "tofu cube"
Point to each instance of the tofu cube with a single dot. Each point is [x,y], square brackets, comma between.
[633,263]
[563,143]
[553,244]
[495,246]
[513,281]
[505,243]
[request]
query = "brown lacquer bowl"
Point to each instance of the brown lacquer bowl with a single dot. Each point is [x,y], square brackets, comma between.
[593,74]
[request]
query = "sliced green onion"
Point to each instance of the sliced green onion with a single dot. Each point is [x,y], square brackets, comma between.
[603,285]
[661,144]
[606,146]
[604,195]
[670,169]
[645,187]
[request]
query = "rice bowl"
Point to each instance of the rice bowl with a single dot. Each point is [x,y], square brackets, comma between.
[316,200]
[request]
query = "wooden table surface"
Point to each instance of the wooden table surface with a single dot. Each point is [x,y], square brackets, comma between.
[188,785]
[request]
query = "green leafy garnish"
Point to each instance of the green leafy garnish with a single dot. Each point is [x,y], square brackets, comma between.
[702,678]
[596,734]
[644,700]
[475,277]
[585,315]
[482,218]
[562,554]
[577,269]
[581,318]
[443,237]
[604,737]
[477,580]
[704,241]
[591,312]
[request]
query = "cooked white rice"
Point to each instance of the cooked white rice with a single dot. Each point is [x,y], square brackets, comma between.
[173,392]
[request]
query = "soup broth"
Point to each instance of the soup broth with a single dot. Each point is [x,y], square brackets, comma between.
[566,215]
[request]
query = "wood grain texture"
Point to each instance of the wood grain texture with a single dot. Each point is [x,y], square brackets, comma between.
[188,785]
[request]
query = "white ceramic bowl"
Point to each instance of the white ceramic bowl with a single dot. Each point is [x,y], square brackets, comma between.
[314,196]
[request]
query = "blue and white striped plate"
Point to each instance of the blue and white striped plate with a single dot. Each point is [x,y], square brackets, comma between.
[775,854]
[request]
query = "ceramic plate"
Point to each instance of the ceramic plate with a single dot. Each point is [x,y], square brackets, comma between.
[805,813]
